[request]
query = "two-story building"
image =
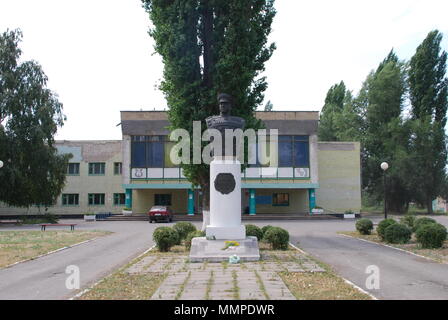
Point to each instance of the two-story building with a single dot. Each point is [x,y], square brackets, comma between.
[137,172]
[309,173]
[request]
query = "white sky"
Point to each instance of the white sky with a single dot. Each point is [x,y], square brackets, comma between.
[99,57]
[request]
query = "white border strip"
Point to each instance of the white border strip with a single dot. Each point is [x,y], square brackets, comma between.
[101,280]
[392,247]
[345,280]
[51,252]
[359,288]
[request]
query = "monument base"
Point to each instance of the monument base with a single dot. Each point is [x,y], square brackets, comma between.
[226,233]
[215,250]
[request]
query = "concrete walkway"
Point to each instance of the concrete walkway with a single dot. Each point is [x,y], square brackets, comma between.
[223,281]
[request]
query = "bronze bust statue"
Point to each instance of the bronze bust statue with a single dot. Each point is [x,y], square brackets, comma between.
[225,120]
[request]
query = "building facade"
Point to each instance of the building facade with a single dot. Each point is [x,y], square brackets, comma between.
[309,173]
[137,172]
[93,180]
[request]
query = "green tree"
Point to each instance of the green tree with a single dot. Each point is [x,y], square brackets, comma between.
[30,114]
[385,135]
[330,114]
[428,96]
[208,47]
[269,106]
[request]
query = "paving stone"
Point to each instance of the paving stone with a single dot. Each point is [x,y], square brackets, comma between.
[140,266]
[248,277]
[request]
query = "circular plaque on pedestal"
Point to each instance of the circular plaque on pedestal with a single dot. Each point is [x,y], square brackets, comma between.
[225,183]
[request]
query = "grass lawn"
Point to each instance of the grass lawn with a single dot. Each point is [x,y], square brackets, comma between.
[439,255]
[305,285]
[320,285]
[123,286]
[21,245]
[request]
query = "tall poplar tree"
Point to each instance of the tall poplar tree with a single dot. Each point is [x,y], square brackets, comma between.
[385,135]
[333,107]
[208,47]
[428,96]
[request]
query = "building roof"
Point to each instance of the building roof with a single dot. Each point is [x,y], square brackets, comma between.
[287,122]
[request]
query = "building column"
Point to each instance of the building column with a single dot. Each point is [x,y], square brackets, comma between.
[252,202]
[312,198]
[190,202]
[128,199]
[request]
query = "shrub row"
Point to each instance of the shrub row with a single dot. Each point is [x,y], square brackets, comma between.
[277,237]
[428,232]
[166,237]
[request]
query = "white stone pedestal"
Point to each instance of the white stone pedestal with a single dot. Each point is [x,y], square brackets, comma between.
[225,200]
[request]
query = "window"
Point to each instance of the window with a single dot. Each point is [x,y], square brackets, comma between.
[97,168]
[96,199]
[162,199]
[148,151]
[117,168]
[70,199]
[293,151]
[73,169]
[280,199]
[119,199]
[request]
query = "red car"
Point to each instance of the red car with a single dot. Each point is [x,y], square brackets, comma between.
[159,213]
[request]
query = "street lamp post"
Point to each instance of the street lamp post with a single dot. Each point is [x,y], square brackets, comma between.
[385,166]
[1,164]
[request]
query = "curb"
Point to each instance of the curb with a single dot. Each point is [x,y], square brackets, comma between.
[345,280]
[109,275]
[51,252]
[392,247]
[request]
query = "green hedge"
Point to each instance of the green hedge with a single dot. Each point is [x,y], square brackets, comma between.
[364,226]
[277,237]
[408,220]
[192,235]
[431,235]
[265,228]
[183,229]
[165,238]
[254,231]
[422,221]
[398,233]
[382,226]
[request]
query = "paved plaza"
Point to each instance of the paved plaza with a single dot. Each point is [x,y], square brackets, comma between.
[223,281]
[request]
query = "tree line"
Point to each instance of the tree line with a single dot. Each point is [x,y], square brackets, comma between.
[399,116]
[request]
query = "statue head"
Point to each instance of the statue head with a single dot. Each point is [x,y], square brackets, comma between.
[225,104]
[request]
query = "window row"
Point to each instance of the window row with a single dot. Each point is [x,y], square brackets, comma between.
[94,199]
[276,200]
[95,168]
[154,152]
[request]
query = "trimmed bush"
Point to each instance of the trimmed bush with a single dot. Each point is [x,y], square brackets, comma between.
[252,230]
[265,228]
[165,238]
[422,221]
[192,235]
[183,229]
[364,226]
[431,235]
[381,228]
[398,233]
[277,237]
[408,220]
